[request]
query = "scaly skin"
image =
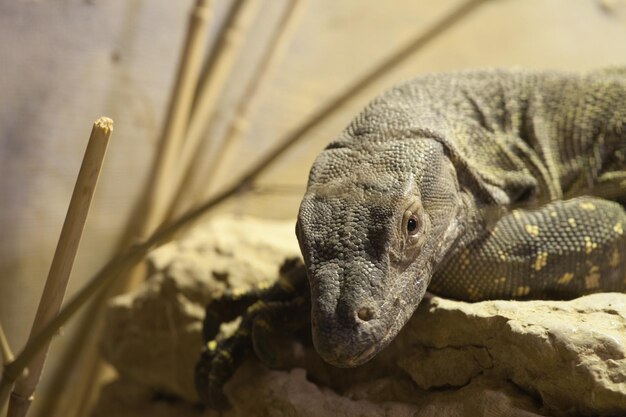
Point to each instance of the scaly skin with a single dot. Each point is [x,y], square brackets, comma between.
[473,185]
[418,193]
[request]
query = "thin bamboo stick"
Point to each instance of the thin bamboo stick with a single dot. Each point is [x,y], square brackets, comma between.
[7,357]
[220,41]
[238,126]
[90,365]
[134,254]
[165,164]
[210,90]
[63,260]
[179,110]
[333,105]
[84,355]
[7,353]
[102,280]
[78,372]
[6,386]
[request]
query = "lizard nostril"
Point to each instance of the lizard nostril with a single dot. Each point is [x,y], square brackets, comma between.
[365,314]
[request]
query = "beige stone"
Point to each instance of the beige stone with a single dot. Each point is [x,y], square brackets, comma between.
[452,359]
[469,362]
[153,335]
[571,355]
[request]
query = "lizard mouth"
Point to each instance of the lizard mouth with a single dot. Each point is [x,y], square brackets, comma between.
[378,345]
[364,356]
[339,358]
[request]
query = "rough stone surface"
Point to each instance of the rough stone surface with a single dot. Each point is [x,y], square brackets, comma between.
[452,359]
[569,355]
[152,336]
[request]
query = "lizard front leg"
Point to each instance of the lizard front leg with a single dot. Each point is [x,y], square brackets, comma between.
[280,308]
[562,250]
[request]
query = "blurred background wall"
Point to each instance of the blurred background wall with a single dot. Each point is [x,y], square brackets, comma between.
[63,63]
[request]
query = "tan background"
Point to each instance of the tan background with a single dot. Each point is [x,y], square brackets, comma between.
[65,62]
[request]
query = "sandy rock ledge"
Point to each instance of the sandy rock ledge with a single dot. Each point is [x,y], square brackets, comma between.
[532,358]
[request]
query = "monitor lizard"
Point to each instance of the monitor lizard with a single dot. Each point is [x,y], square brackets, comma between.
[474,185]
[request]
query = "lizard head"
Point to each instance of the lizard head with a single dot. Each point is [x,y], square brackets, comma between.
[376,219]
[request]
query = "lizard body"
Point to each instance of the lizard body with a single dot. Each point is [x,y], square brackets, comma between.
[417,192]
[474,185]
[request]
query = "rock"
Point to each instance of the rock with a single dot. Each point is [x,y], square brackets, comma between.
[481,397]
[256,391]
[152,336]
[452,359]
[470,361]
[571,354]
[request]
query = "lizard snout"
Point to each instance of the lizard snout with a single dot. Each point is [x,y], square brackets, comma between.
[350,314]
[348,335]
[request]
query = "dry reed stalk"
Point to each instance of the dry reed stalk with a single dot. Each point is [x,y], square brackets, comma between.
[151,215]
[101,281]
[238,126]
[7,357]
[220,39]
[6,387]
[92,368]
[164,166]
[212,86]
[80,369]
[7,353]
[179,110]
[63,260]
[334,104]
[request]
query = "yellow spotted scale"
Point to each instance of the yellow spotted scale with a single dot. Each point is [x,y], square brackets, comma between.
[561,250]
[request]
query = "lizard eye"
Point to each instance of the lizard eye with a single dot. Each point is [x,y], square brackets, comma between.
[413,220]
[412,224]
